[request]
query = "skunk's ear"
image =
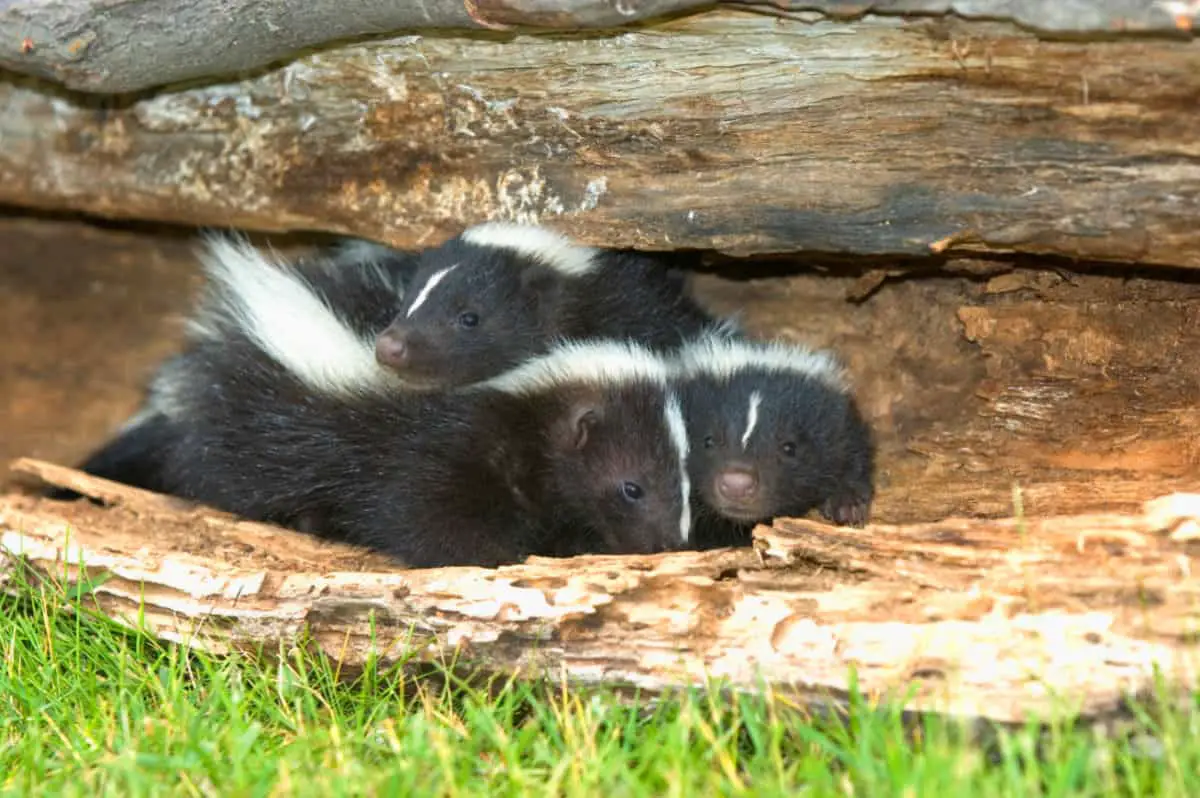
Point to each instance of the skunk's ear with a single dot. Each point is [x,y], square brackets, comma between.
[574,428]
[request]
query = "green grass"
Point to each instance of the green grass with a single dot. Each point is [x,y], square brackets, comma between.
[87,708]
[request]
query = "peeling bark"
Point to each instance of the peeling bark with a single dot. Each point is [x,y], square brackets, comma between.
[1006,619]
[723,131]
[119,47]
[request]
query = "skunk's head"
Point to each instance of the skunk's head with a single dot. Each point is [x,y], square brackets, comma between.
[616,464]
[480,304]
[772,427]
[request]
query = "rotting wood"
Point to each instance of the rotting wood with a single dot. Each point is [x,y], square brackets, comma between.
[1004,619]
[725,131]
[86,44]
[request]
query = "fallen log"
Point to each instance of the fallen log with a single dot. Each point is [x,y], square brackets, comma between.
[725,131]
[1005,619]
[86,44]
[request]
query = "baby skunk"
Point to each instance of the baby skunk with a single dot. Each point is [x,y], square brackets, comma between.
[774,432]
[330,305]
[276,411]
[500,293]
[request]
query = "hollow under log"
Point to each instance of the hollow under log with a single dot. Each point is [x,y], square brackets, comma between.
[726,130]
[1079,390]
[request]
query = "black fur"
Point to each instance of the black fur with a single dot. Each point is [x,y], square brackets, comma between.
[520,306]
[479,478]
[810,449]
[362,281]
[133,457]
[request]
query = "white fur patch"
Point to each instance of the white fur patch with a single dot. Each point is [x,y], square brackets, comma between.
[724,357]
[726,327]
[277,310]
[367,255]
[360,250]
[170,391]
[679,437]
[138,419]
[602,362]
[556,251]
[430,284]
[751,418]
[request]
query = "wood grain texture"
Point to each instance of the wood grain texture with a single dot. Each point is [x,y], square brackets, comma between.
[1007,619]
[128,46]
[725,131]
[119,47]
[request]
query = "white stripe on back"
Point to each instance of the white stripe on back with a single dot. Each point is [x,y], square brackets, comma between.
[601,362]
[721,357]
[437,277]
[274,306]
[552,249]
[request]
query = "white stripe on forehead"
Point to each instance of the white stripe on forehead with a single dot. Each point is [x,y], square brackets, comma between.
[680,439]
[430,284]
[751,418]
[593,362]
[554,250]
[723,358]
[273,305]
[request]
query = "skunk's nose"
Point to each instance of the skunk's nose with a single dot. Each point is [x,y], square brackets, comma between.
[391,350]
[737,484]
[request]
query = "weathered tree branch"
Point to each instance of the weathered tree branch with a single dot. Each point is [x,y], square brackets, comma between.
[116,47]
[727,131]
[998,619]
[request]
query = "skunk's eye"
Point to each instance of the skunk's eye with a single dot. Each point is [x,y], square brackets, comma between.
[632,491]
[468,319]
[789,449]
[709,442]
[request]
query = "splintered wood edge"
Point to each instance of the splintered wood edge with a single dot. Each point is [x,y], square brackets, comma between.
[793,614]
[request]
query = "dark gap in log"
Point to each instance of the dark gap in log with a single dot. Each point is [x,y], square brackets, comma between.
[181,234]
[976,268]
[1077,386]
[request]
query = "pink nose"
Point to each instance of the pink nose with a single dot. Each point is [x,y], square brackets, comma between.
[391,350]
[737,484]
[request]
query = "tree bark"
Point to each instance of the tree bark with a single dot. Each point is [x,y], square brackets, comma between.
[1111,17]
[723,131]
[119,47]
[1006,619]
